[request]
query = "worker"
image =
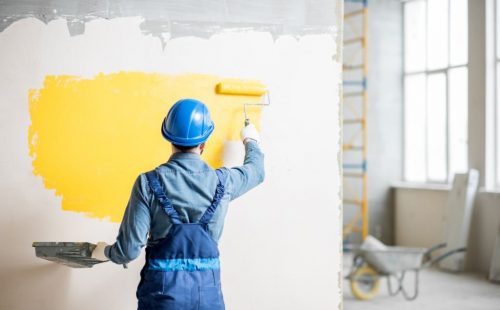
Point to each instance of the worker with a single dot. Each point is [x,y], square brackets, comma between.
[177,210]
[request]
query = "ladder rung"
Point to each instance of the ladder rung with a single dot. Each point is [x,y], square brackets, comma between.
[361,166]
[353,166]
[353,40]
[355,82]
[364,2]
[353,120]
[353,175]
[356,229]
[350,228]
[350,147]
[353,13]
[353,94]
[353,67]
[353,201]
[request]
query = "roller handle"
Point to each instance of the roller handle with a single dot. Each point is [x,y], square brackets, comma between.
[247,120]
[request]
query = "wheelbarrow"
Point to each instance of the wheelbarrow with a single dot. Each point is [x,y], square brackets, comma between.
[370,265]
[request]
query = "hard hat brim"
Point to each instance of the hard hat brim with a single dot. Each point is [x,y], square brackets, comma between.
[187,141]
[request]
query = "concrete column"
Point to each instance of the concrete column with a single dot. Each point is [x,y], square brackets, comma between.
[477,87]
[490,161]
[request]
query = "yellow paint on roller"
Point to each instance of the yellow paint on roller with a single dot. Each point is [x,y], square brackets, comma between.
[241,87]
[90,138]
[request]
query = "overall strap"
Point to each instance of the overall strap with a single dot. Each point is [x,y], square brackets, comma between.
[219,193]
[154,184]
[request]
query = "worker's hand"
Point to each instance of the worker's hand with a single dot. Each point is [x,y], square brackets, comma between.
[98,252]
[250,132]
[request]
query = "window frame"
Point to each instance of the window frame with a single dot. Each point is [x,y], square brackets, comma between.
[426,72]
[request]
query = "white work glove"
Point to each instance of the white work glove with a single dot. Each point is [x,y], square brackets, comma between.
[98,252]
[250,132]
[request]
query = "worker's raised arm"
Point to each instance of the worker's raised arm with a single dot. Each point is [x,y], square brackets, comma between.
[134,228]
[251,174]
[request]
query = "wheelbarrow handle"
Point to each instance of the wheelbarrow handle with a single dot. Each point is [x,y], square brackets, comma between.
[443,256]
[434,248]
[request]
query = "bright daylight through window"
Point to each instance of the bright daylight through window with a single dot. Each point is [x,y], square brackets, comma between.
[435,82]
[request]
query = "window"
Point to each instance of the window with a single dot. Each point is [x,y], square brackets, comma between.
[435,82]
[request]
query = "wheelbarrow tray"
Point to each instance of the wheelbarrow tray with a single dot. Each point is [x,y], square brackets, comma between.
[394,259]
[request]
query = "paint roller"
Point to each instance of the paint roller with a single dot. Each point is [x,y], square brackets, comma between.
[245,88]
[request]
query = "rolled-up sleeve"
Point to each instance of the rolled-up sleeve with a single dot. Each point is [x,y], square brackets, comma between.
[134,228]
[250,174]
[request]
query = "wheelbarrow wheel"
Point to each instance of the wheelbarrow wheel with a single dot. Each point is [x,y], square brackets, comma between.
[365,283]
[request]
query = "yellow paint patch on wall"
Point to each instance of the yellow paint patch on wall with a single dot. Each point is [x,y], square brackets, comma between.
[90,138]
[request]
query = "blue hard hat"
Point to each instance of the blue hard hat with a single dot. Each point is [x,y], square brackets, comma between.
[188,123]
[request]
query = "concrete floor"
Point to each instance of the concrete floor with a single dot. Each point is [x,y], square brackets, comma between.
[438,290]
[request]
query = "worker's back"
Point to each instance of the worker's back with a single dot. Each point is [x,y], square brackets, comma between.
[190,185]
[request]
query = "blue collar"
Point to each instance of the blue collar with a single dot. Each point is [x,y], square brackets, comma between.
[181,155]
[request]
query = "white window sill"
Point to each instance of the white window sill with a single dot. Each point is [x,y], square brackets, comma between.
[423,186]
[493,191]
[437,187]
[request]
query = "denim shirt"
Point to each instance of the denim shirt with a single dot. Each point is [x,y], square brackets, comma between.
[190,185]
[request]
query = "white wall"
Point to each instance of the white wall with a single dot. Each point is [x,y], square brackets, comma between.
[385,112]
[281,245]
[419,216]
[485,228]
[420,220]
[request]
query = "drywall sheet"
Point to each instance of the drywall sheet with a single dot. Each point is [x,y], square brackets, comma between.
[459,215]
[494,274]
[80,117]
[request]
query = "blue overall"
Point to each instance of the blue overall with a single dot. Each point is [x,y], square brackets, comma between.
[182,271]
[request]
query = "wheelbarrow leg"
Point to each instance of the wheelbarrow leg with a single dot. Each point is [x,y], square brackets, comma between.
[415,291]
[400,285]
[399,281]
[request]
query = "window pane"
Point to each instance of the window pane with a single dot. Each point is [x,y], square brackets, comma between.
[415,128]
[458,32]
[458,120]
[414,25]
[436,127]
[437,34]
